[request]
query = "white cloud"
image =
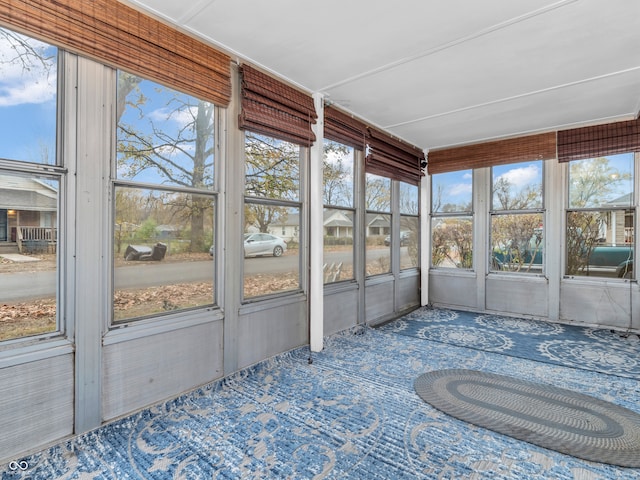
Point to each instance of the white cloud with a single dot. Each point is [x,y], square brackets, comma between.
[24,79]
[460,189]
[522,176]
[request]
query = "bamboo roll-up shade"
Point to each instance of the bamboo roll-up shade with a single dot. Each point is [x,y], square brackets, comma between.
[390,157]
[342,128]
[273,108]
[489,154]
[122,37]
[599,140]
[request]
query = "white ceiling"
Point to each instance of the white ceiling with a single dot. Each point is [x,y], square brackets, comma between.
[438,72]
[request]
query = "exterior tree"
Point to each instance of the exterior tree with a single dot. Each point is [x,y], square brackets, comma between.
[337,191]
[182,156]
[272,172]
[593,181]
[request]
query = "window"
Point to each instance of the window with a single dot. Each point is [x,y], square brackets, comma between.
[29,194]
[378,224]
[600,218]
[272,211]
[409,226]
[339,212]
[517,218]
[452,220]
[165,202]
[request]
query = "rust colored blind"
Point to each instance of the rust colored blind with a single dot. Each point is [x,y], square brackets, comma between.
[272,108]
[599,140]
[393,158]
[343,128]
[117,35]
[488,154]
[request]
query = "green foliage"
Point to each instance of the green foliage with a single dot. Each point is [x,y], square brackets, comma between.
[147,231]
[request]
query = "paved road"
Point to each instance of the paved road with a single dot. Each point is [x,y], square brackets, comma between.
[22,286]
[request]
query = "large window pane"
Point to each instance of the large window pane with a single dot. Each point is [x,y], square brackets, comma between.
[271,256]
[601,217]
[156,268]
[163,237]
[164,136]
[338,223]
[600,243]
[517,186]
[601,182]
[337,173]
[28,92]
[452,192]
[272,168]
[28,255]
[516,236]
[452,222]
[338,245]
[517,243]
[452,242]
[378,193]
[272,226]
[409,242]
[378,252]
[378,224]
[409,238]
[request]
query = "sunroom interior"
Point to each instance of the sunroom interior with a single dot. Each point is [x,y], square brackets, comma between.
[190,190]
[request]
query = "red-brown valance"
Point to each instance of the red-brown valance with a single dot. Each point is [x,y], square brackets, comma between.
[599,140]
[393,158]
[343,128]
[488,154]
[273,108]
[122,37]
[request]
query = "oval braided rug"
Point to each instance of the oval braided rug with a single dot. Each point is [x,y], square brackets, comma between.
[548,416]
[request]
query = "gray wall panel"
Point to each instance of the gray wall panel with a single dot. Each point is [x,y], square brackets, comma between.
[610,305]
[453,291]
[340,310]
[379,301]
[36,405]
[145,370]
[408,291]
[268,331]
[509,294]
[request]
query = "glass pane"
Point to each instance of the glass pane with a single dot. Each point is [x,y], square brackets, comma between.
[409,198]
[272,168]
[378,193]
[517,186]
[409,242]
[28,255]
[338,175]
[378,253]
[162,252]
[452,242]
[338,245]
[28,92]
[517,243]
[452,192]
[164,137]
[604,182]
[600,243]
[272,253]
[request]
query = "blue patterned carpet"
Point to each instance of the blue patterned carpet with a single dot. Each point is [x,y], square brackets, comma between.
[599,350]
[352,413]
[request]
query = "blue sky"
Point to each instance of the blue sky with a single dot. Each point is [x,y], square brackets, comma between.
[27,103]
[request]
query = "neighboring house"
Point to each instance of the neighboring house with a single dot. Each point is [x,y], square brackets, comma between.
[167,232]
[28,211]
[378,224]
[619,228]
[288,228]
[338,223]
